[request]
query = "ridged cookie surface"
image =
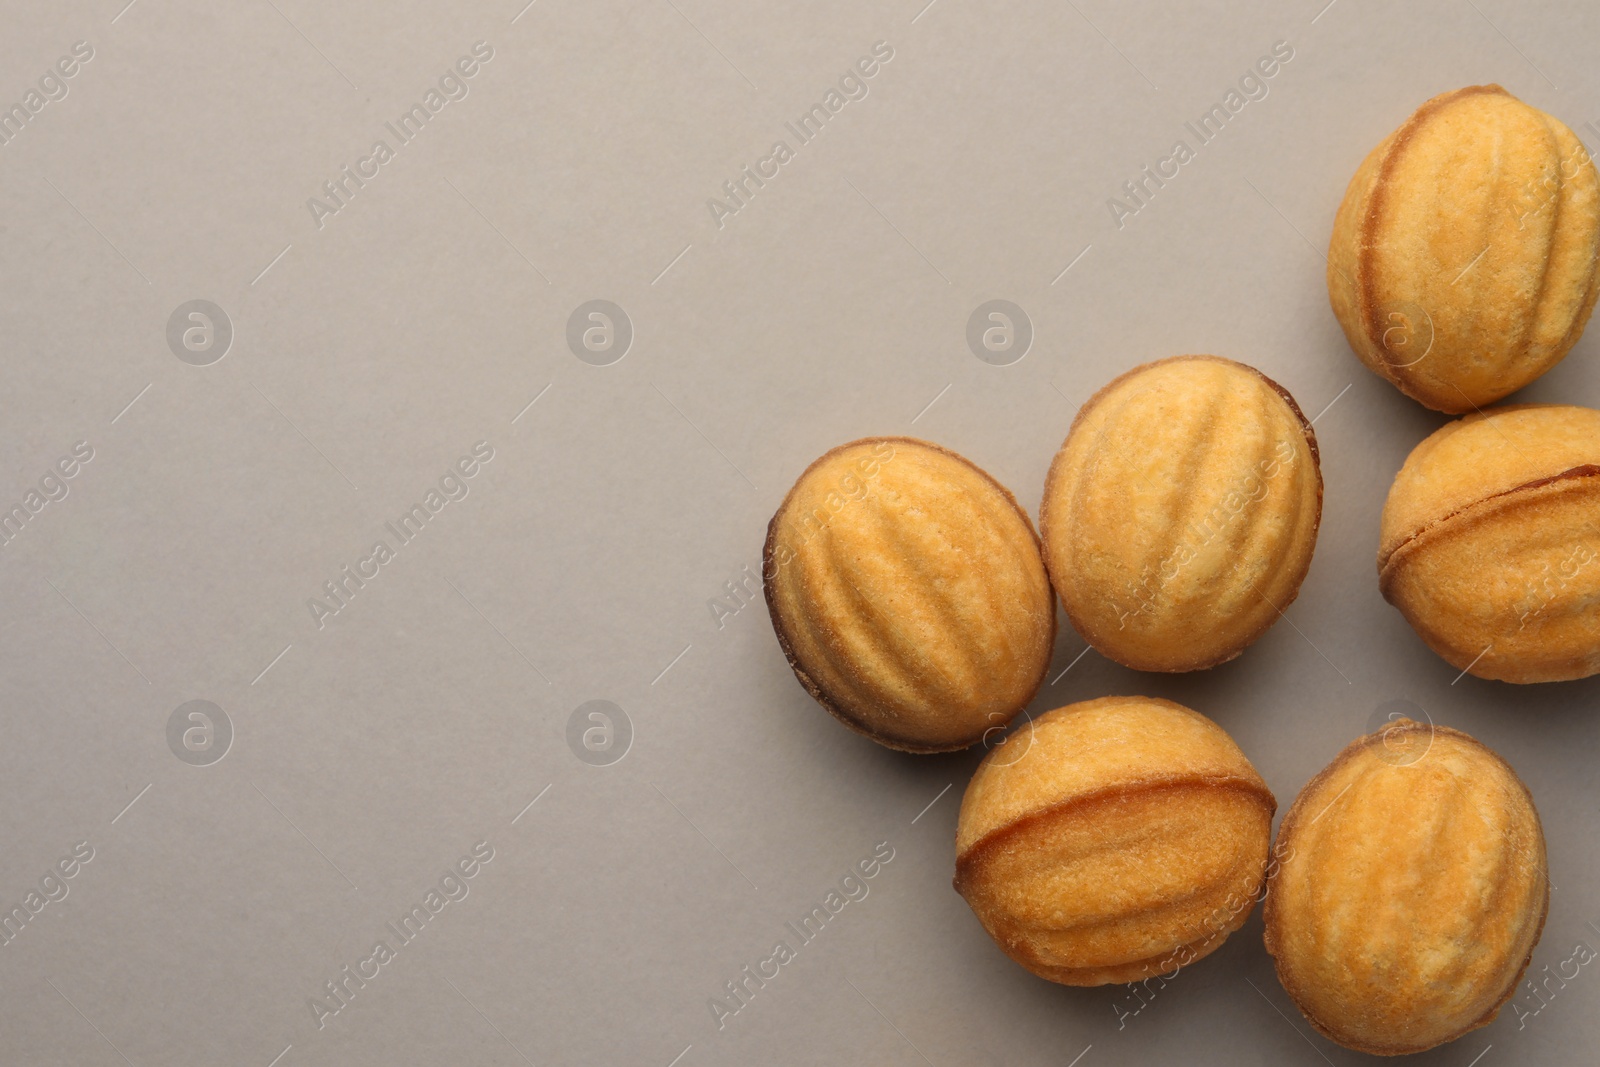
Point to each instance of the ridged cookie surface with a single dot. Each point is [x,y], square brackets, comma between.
[1113,840]
[1180,515]
[907,590]
[1490,543]
[1465,258]
[1411,890]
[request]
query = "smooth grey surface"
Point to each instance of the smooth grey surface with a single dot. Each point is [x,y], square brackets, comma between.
[371,353]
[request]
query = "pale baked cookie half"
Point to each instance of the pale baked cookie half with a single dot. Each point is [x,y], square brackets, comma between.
[1465,258]
[1180,515]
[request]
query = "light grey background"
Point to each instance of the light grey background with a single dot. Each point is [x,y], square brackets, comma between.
[426,315]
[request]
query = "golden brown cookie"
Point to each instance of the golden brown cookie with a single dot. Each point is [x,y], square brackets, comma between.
[1113,840]
[1411,889]
[1490,543]
[1465,258]
[906,588]
[1180,515]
